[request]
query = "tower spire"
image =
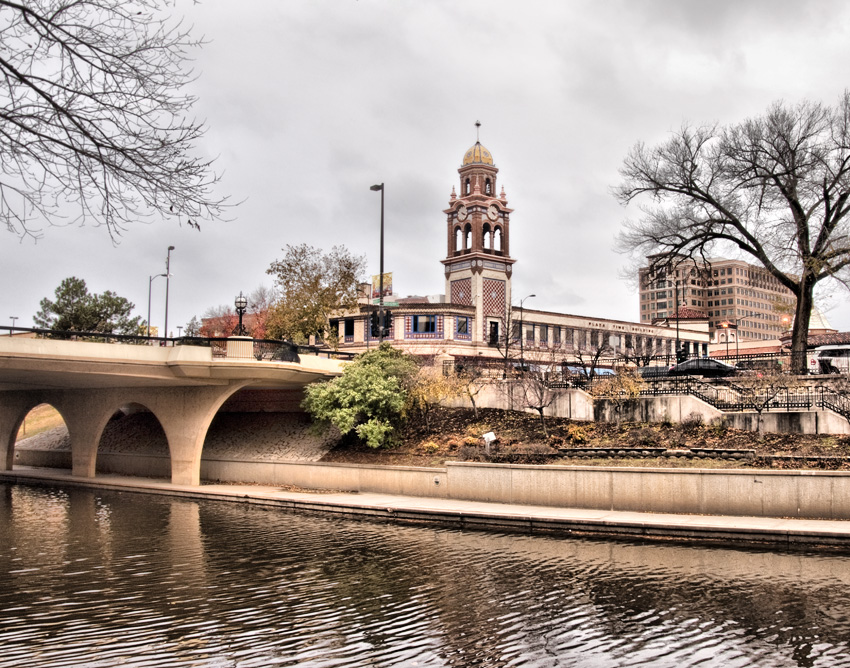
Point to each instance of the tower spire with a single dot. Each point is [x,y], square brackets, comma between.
[477,126]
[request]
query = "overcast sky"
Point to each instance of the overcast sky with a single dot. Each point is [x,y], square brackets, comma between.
[309,103]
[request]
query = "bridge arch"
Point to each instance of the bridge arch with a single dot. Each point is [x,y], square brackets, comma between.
[185,414]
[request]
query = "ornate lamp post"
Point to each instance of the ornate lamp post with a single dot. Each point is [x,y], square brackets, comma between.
[522,334]
[241,304]
[381,276]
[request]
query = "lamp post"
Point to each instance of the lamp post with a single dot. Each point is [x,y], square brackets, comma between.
[727,326]
[522,334]
[179,331]
[678,342]
[167,277]
[12,318]
[150,282]
[241,304]
[381,275]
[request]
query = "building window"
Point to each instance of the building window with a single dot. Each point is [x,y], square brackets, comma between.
[487,187]
[544,333]
[556,335]
[494,333]
[462,326]
[424,324]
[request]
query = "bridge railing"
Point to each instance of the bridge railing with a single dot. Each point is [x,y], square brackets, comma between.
[258,349]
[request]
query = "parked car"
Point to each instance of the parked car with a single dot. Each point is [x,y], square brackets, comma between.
[649,372]
[703,366]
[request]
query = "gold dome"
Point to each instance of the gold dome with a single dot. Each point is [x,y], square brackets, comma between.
[477,155]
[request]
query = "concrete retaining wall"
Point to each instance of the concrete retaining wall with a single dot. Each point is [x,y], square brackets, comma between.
[569,403]
[800,494]
[795,422]
[756,493]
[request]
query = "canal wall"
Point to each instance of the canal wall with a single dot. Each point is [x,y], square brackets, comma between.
[742,492]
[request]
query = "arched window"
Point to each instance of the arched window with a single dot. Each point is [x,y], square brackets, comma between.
[467,236]
[466,189]
[497,239]
[488,188]
[485,237]
[458,239]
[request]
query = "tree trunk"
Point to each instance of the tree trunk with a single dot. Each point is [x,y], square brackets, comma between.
[800,333]
[543,422]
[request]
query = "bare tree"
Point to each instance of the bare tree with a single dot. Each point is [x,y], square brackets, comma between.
[758,390]
[774,187]
[588,358]
[94,117]
[535,381]
[472,378]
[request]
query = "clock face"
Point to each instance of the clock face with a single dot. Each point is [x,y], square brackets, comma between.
[492,212]
[462,213]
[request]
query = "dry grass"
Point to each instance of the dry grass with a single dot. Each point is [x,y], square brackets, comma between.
[41,418]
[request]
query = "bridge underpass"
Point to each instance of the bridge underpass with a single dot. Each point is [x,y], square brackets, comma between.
[87,383]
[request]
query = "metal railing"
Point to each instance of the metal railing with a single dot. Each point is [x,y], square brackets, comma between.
[260,349]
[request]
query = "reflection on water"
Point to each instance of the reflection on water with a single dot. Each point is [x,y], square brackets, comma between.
[103,579]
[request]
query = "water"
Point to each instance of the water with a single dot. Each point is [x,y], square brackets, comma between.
[89,578]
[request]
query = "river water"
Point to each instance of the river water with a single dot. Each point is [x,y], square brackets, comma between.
[92,578]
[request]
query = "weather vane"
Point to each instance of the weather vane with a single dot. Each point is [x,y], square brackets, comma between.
[477,125]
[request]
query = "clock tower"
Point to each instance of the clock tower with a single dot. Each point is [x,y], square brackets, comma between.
[478,265]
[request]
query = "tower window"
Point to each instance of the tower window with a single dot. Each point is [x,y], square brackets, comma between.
[488,188]
[467,241]
[486,239]
[458,239]
[466,189]
[497,239]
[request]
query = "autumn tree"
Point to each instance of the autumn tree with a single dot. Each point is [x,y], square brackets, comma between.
[218,321]
[96,123]
[75,309]
[310,286]
[774,187]
[430,387]
[371,398]
[619,390]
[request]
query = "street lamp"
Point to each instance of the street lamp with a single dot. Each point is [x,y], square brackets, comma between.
[381,275]
[522,334]
[727,326]
[241,304]
[167,277]
[150,282]
[12,318]
[179,331]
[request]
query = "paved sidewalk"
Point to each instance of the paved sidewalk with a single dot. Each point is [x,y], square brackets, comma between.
[478,515]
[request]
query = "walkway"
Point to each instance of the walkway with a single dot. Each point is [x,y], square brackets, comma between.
[784,533]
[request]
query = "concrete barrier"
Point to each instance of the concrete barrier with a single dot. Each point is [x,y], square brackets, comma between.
[756,493]
[739,492]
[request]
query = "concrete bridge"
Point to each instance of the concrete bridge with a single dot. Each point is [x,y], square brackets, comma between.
[183,386]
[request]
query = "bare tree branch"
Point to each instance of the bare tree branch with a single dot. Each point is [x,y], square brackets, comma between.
[94,120]
[775,187]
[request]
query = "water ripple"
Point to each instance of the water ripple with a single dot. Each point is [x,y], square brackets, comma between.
[99,579]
